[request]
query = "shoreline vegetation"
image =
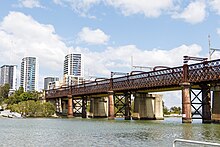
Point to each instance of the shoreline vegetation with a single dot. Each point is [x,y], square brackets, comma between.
[33,108]
[28,104]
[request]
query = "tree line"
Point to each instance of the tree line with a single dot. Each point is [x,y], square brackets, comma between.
[28,103]
[172,110]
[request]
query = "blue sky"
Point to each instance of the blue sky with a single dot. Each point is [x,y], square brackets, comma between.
[107,33]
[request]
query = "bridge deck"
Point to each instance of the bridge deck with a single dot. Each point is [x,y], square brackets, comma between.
[161,80]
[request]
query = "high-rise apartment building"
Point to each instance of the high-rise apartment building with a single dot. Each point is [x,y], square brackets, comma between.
[73,69]
[73,65]
[29,74]
[8,75]
[48,80]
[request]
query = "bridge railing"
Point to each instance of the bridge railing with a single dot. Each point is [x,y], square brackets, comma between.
[200,72]
[60,92]
[164,77]
[205,71]
[92,87]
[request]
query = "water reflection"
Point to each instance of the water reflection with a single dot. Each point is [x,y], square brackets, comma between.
[187,132]
[210,132]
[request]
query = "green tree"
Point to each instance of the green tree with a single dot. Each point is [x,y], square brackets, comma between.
[48,109]
[20,96]
[33,108]
[166,110]
[4,90]
[175,110]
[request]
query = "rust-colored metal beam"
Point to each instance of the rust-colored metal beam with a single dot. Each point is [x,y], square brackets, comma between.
[170,78]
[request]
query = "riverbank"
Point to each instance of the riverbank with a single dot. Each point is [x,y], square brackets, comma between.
[172,115]
[9,114]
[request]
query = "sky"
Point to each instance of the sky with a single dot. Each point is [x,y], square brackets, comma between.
[108,33]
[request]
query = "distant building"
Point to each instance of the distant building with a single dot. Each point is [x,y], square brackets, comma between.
[48,80]
[73,69]
[54,85]
[29,73]
[8,75]
[73,65]
[72,80]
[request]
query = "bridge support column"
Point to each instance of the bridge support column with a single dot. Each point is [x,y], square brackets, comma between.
[58,105]
[111,110]
[147,107]
[216,105]
[158,106]
[127,106]
[91,107]
[98,107]
[84,104]
[70,106]
[206,105]
[186,103]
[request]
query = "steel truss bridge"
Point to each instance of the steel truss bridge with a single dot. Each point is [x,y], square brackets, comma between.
[161,80]
[199,75]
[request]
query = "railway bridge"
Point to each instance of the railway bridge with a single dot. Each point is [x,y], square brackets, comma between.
[116,93]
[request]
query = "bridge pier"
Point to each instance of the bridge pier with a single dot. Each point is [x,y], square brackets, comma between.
[216,104]
[59,105]
[70,106]
[186,103]
[206,104]
[147,107]
[84,104]
[111,110]
[98,107]
[127,106]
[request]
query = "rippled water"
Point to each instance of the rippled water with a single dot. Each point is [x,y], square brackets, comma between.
[102,132]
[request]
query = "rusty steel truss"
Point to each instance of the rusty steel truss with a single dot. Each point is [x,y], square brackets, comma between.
[195,74]
[122,104]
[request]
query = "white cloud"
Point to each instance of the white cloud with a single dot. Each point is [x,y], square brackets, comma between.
[27,37]
[147,7]
[90,36]
[218,31]
[30,3]
[194,13]
[215,5]
[119,58]
[80,6]
[128,7]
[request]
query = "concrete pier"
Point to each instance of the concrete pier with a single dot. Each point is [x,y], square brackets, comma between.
[186,103]
[98,107]
[206,104]
[216,104]
[111,107]
[158,106]
[147,106]
[70,106]
[84,104]
[127,106]
[59,105]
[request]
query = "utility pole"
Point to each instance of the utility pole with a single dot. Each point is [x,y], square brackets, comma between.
[209,47]
[140,67]
[211,50]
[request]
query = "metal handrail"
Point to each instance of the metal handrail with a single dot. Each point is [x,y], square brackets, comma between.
[194,142]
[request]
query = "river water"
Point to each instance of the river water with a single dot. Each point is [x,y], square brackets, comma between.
[102,132]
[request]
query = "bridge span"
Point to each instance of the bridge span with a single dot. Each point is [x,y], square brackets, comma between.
[204,76]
